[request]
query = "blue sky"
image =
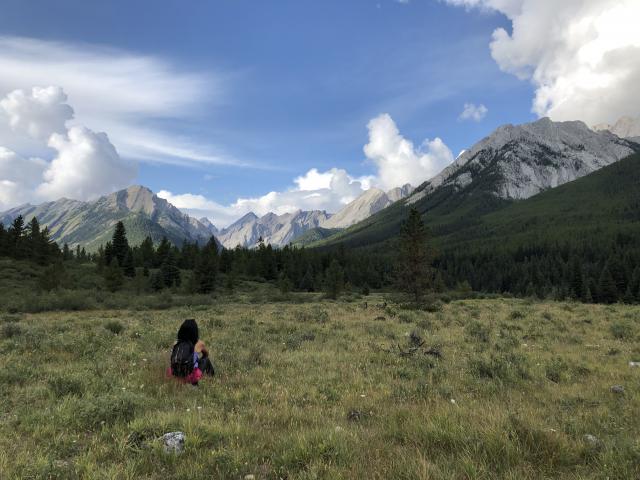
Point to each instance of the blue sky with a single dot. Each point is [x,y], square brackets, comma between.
[268,90]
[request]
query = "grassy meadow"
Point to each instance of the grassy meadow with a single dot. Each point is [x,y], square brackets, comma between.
[479,389]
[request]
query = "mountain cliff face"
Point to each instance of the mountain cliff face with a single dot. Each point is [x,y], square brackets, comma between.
[625,127]
[277,230]
[370,202]
[518,161]
[515,162]
[91,224]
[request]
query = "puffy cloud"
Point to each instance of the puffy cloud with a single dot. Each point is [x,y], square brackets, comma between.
[18,177]
[473,112]
[582,56]
[81,164]
[397,160]
[119,92]
[38,113]
[87,166]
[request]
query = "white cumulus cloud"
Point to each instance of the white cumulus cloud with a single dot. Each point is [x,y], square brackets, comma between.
[473,112]
[77,162]
[397,160]
[582,56]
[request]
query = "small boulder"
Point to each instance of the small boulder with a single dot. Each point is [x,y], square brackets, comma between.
[250,477]
[592,440]
[173,442]
[634,364]
[617,389]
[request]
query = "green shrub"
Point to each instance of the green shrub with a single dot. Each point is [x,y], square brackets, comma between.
[10,330]
[114,327]
[622,331]
[65,385]
[507,367]
[557,370]
[478,331]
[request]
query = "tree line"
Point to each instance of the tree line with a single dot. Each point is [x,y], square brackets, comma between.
[603,270]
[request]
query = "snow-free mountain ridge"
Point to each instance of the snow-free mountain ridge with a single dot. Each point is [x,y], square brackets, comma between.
[518,161]
[91,224]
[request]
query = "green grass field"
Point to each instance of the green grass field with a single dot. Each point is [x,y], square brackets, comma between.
[481,389]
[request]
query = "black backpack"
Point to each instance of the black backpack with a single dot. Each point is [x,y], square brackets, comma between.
[182,363]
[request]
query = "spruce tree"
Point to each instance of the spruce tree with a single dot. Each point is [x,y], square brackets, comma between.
[156,281]
[578,286]
[607,290]
[16,238]
[128,267]
[119,243]
[113,278]
[307,282]
[170,271]
[284,283]
[334,280]
[206,270]
[147,252]
[414,273]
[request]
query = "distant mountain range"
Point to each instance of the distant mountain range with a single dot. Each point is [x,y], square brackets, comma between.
[280,230]
[515,162]
[626,127]
[91,224]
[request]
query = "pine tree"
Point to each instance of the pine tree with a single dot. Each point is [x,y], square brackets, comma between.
[16,239]
[156,282]
[66,253]
[284,284]
[119,243]
[307,282]
[206,270]
[128,267]
[607,290]
[170,271]
[147,252]
[578,286]
[113,278]
[334,280]
[162,252]
[414,272]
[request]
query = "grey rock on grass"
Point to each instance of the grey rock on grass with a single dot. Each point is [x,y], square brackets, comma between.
[173,442]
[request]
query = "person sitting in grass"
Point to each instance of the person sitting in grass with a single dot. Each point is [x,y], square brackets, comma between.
[189,357]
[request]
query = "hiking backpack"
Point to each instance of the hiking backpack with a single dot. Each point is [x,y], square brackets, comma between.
[182,363]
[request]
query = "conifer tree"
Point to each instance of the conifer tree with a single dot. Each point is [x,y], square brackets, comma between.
[414,272]
[578,286]
[156,282]
[334,280]
[170,271]
[607,290]
[113,277]
[119,243]
[307,282]
[206,270]
[128,267]
[284,283]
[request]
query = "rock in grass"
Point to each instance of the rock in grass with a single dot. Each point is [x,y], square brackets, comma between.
[634,364]
[173,442]
[592,440]
[249,477]
[617,389]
